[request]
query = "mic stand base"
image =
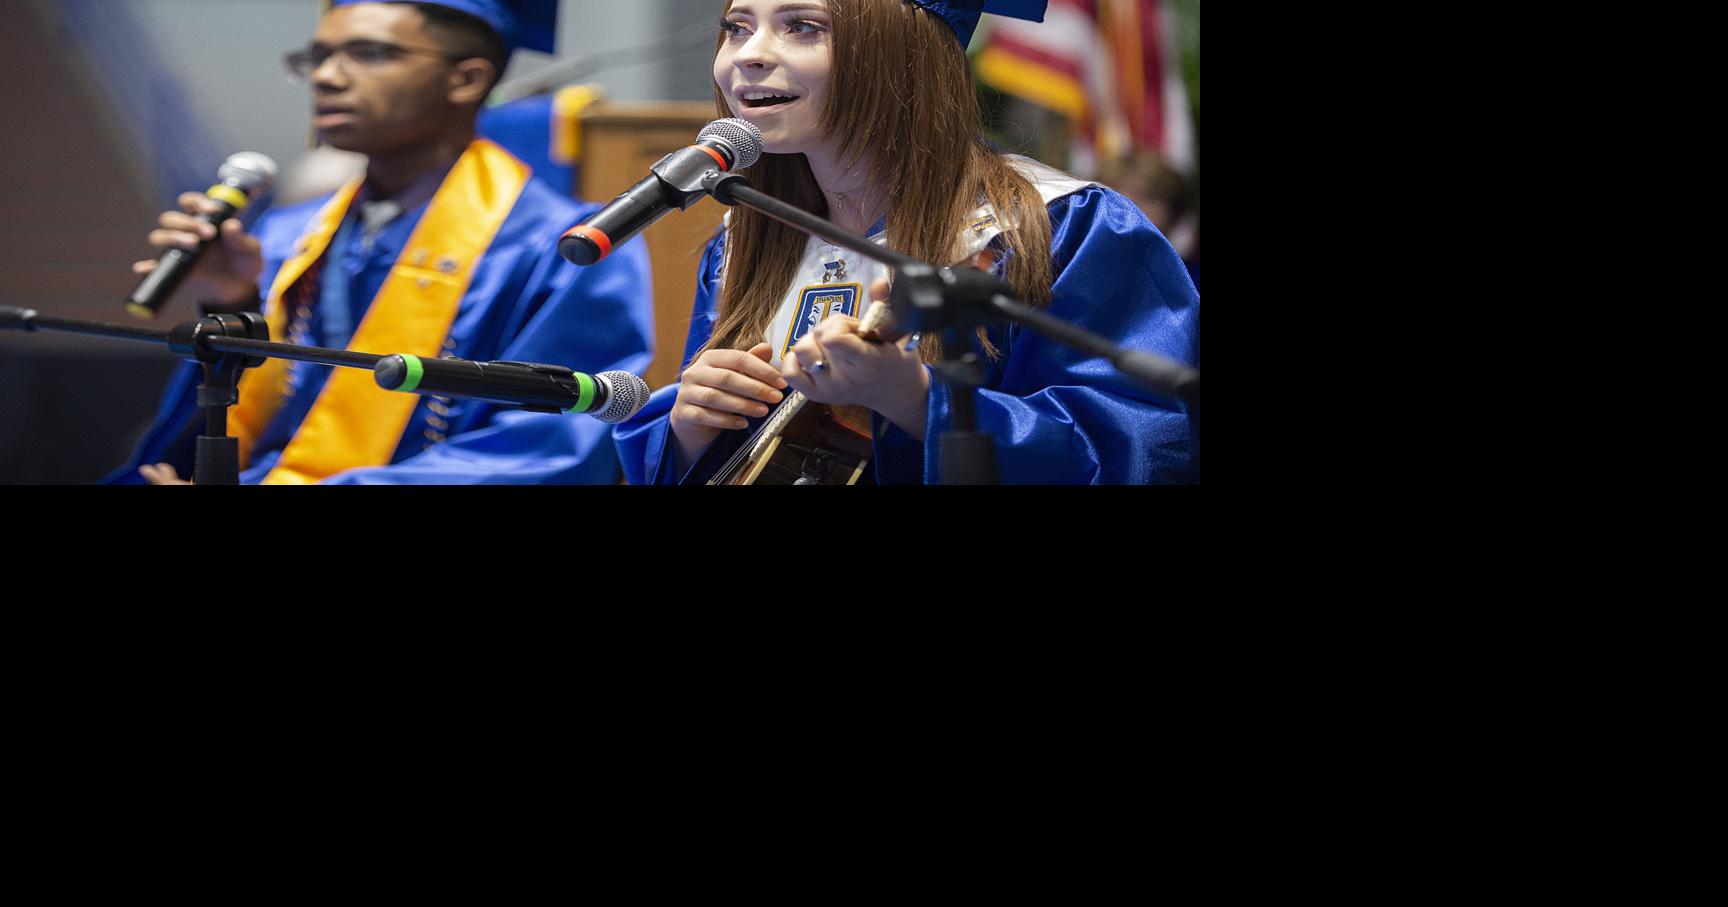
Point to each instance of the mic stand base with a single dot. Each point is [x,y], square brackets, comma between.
[218,461]
[217,457]
[967,456]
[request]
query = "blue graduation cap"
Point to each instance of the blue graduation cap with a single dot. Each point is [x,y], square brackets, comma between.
[521,23]
[962,15]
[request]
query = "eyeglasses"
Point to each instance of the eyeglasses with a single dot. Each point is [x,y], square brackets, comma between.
[302,63]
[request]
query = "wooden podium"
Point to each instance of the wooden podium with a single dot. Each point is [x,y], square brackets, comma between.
[619,142]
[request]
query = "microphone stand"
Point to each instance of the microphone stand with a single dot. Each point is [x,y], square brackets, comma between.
[225,344]
[927,298]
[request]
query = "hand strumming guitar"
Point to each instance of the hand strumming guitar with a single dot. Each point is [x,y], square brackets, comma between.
[832,364]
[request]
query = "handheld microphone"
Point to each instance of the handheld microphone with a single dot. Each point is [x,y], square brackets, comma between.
[674,182]
[609,396]
[242,177]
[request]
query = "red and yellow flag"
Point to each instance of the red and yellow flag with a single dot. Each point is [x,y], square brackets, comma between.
[1109,66]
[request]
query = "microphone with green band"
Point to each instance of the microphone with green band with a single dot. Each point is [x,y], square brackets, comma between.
[609,396]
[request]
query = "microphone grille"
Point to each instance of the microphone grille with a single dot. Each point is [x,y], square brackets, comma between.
[626,395]
[249,171]
[742,135]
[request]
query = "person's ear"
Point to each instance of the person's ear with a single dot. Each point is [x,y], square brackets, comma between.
[470,80]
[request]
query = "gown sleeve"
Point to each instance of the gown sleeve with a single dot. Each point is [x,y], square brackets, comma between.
[645,441]
[1059,416]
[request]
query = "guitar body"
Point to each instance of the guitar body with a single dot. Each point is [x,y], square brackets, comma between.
[818,445]
[804,443]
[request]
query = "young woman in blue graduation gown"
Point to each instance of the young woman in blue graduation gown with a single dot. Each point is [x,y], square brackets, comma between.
[869,118]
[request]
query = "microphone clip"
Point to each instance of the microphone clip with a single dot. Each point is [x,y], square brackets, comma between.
[187,338]
[720,185]
[684,177]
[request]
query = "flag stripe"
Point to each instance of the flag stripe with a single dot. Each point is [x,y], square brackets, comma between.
[1038,55]
[1043,86]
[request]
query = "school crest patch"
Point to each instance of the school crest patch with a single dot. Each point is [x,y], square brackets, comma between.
[816,303]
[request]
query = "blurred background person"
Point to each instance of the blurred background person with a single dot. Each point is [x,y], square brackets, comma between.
[437,250]
[115,108]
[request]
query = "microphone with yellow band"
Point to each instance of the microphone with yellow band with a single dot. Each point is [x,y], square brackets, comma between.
[242,178]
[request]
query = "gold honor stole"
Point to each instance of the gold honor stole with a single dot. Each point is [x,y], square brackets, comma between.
[354,422]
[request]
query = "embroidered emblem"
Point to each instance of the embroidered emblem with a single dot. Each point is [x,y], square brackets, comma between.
[817,303]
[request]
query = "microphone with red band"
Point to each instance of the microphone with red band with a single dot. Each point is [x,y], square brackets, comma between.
[674,182]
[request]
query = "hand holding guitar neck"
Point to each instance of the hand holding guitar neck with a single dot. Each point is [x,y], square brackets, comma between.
[847,362]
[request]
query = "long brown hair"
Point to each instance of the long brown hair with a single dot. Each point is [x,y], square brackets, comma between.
[899,86]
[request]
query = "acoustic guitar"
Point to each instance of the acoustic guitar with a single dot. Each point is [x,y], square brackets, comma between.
[805,443]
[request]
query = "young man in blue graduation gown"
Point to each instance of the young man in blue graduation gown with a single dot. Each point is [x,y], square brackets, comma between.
[445,248]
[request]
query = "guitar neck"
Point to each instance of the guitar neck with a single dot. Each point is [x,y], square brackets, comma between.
[783,416]
[877,325]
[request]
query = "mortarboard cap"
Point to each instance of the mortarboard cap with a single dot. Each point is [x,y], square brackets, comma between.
[962,15]
[521,23]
